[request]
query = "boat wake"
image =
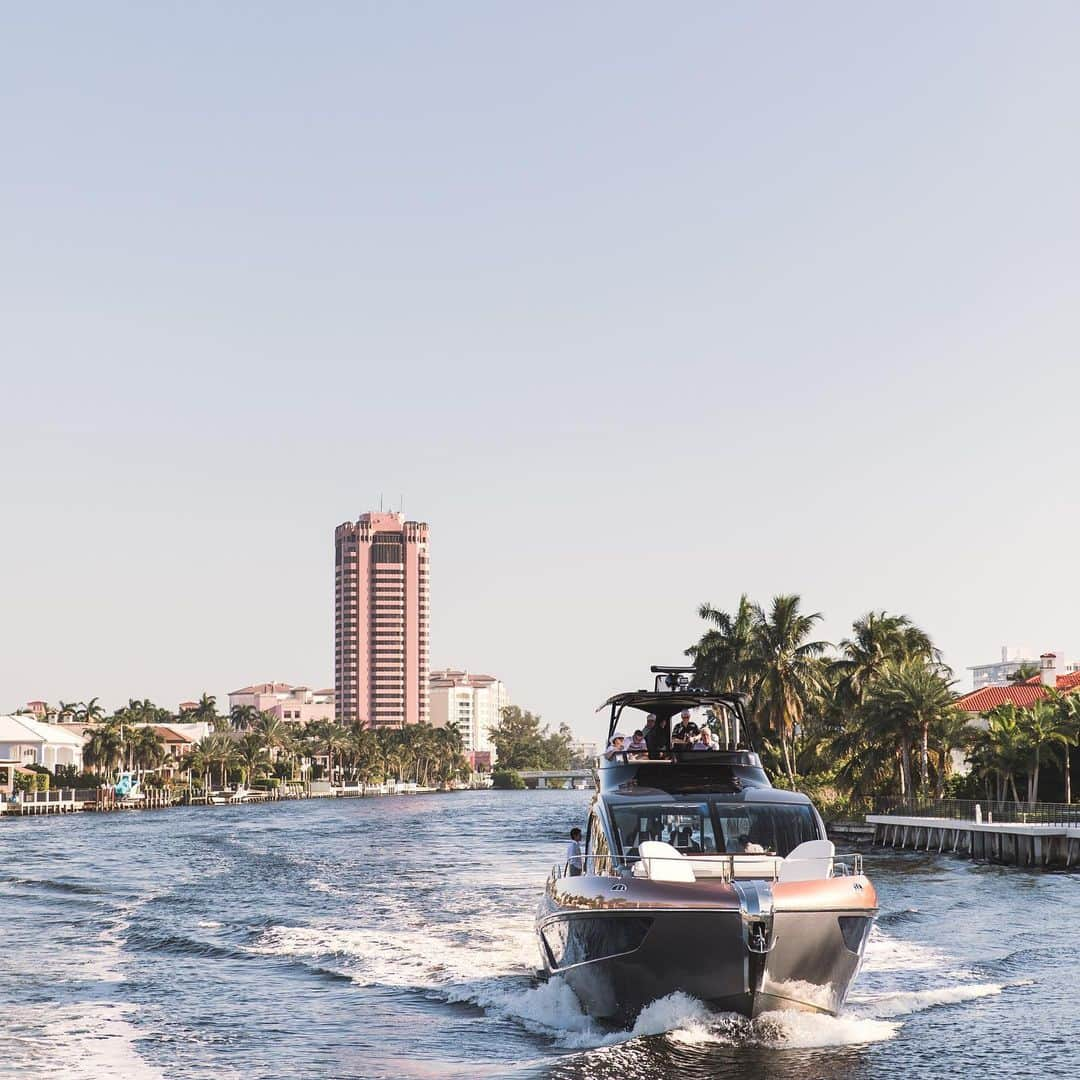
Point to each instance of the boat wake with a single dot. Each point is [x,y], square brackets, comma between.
[492,967]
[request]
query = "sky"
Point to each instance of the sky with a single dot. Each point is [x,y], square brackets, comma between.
[638,306]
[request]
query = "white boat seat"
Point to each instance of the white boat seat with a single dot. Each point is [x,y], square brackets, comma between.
[811,861]
[662,862]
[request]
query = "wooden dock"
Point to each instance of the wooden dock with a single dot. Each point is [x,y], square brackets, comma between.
[1038,845]
[60,801]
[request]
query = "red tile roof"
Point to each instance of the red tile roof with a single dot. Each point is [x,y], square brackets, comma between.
[989,697]
[1022,694]
[1064,682]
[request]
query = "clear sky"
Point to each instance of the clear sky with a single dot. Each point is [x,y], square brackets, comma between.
[638,305]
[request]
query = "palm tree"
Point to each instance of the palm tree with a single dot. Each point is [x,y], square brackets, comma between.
[146,748]
[198,761]
[906,699]
[1041,730]
[66,710]
[877,639]
[1000,749]
[951,731]
[791,673]
[104,749]
[243,716]
[90,712]
[326,737]
[252,755]
[725,658]
[220,750]
[1068,730]
[205,712]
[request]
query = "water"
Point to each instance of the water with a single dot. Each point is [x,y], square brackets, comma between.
[393,938]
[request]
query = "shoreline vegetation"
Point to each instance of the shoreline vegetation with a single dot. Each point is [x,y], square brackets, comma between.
[250,756]
[875,714]
[871,716]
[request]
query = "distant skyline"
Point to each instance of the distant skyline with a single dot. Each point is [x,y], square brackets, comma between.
[639,308]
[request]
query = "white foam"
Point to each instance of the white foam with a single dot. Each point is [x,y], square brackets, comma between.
[804,1030]
[904,1002]
[885,953]
[80,1042]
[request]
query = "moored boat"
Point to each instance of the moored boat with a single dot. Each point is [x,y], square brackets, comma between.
[699,876]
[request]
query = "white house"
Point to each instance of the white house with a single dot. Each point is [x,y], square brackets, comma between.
[30,742]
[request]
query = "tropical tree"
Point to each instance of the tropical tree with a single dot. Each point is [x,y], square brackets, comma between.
[1000,749]
[325,738]
[243,717]
[274,734]
[145,747]
[906,701]
[89,712]
[1067,731]
[205,711]
[219,751]
[104,749]
[1042,736]
[726,657]
[252,755]
[791,674]
[522,741]
[877,639]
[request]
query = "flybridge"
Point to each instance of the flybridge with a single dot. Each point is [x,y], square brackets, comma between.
[723,714]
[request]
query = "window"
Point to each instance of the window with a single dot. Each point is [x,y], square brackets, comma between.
[596,845]
[715,827]
[776,828]
[685,826]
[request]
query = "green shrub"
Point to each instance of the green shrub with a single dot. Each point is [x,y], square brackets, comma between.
[507,779]
[41,781]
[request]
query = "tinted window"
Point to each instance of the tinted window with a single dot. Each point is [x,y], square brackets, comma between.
[774,829]
[686,826]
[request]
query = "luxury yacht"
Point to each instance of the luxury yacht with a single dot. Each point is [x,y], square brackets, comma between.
[699,876]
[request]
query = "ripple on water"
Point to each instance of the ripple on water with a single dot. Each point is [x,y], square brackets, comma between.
[319,940]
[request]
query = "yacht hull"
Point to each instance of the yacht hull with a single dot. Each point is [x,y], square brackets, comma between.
[735,954]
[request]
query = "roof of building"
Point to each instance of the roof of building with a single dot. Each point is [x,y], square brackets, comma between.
[1022,694]
[265,688]
[24,728]
[171,734]
[458,677]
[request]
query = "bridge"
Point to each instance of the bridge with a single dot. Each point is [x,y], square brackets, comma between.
[539,778]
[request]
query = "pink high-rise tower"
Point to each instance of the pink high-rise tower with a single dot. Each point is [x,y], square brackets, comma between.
[381,621]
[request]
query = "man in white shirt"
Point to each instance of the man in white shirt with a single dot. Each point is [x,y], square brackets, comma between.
[574,859]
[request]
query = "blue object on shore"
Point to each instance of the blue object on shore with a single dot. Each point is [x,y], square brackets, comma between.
[125,784]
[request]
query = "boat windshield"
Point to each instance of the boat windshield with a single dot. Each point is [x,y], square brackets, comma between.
[711,828]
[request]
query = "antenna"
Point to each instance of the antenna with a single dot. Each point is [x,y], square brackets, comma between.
[401,505]
[380,502]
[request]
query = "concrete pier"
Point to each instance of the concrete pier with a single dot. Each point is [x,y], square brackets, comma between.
[1031,845]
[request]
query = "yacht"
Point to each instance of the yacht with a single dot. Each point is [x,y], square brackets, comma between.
[699,876]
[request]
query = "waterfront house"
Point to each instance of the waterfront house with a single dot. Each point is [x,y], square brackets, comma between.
[1024,694]
[30,742]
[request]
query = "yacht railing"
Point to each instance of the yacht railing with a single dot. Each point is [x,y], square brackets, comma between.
[726,867]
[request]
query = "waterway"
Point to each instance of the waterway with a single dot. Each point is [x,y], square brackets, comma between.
[393,938]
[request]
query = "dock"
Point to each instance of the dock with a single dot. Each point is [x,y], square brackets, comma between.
[1040,837]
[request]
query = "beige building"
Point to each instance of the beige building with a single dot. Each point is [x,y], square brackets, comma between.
[293,704]
[473,702]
